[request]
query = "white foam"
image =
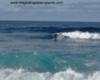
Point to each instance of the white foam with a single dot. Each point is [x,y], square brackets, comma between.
[79,35]
[69,74]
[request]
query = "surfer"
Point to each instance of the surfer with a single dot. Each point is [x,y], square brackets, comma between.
[55,37]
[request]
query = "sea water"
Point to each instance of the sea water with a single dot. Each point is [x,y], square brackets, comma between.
[29,51]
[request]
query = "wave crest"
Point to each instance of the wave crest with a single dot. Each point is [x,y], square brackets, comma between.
[78,35]
[69,74]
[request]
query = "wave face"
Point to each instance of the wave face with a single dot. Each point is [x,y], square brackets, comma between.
[49,66]
[79,35]
[69,74]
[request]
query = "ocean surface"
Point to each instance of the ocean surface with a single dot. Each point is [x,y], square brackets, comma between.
[31,51]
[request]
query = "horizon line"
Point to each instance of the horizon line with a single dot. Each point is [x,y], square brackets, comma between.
[47,21]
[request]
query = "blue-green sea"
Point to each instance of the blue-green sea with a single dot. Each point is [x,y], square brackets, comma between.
[30,50]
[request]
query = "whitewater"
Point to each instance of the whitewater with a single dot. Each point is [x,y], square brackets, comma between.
[69,74]
[79,35]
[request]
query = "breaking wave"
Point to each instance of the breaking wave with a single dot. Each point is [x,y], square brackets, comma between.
[78,35]
[69,74]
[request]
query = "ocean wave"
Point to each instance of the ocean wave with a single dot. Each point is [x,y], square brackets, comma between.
[69,74]
[78,35]
[13,27]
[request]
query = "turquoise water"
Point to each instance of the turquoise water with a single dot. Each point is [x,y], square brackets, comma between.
[50,62]
[27,55]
